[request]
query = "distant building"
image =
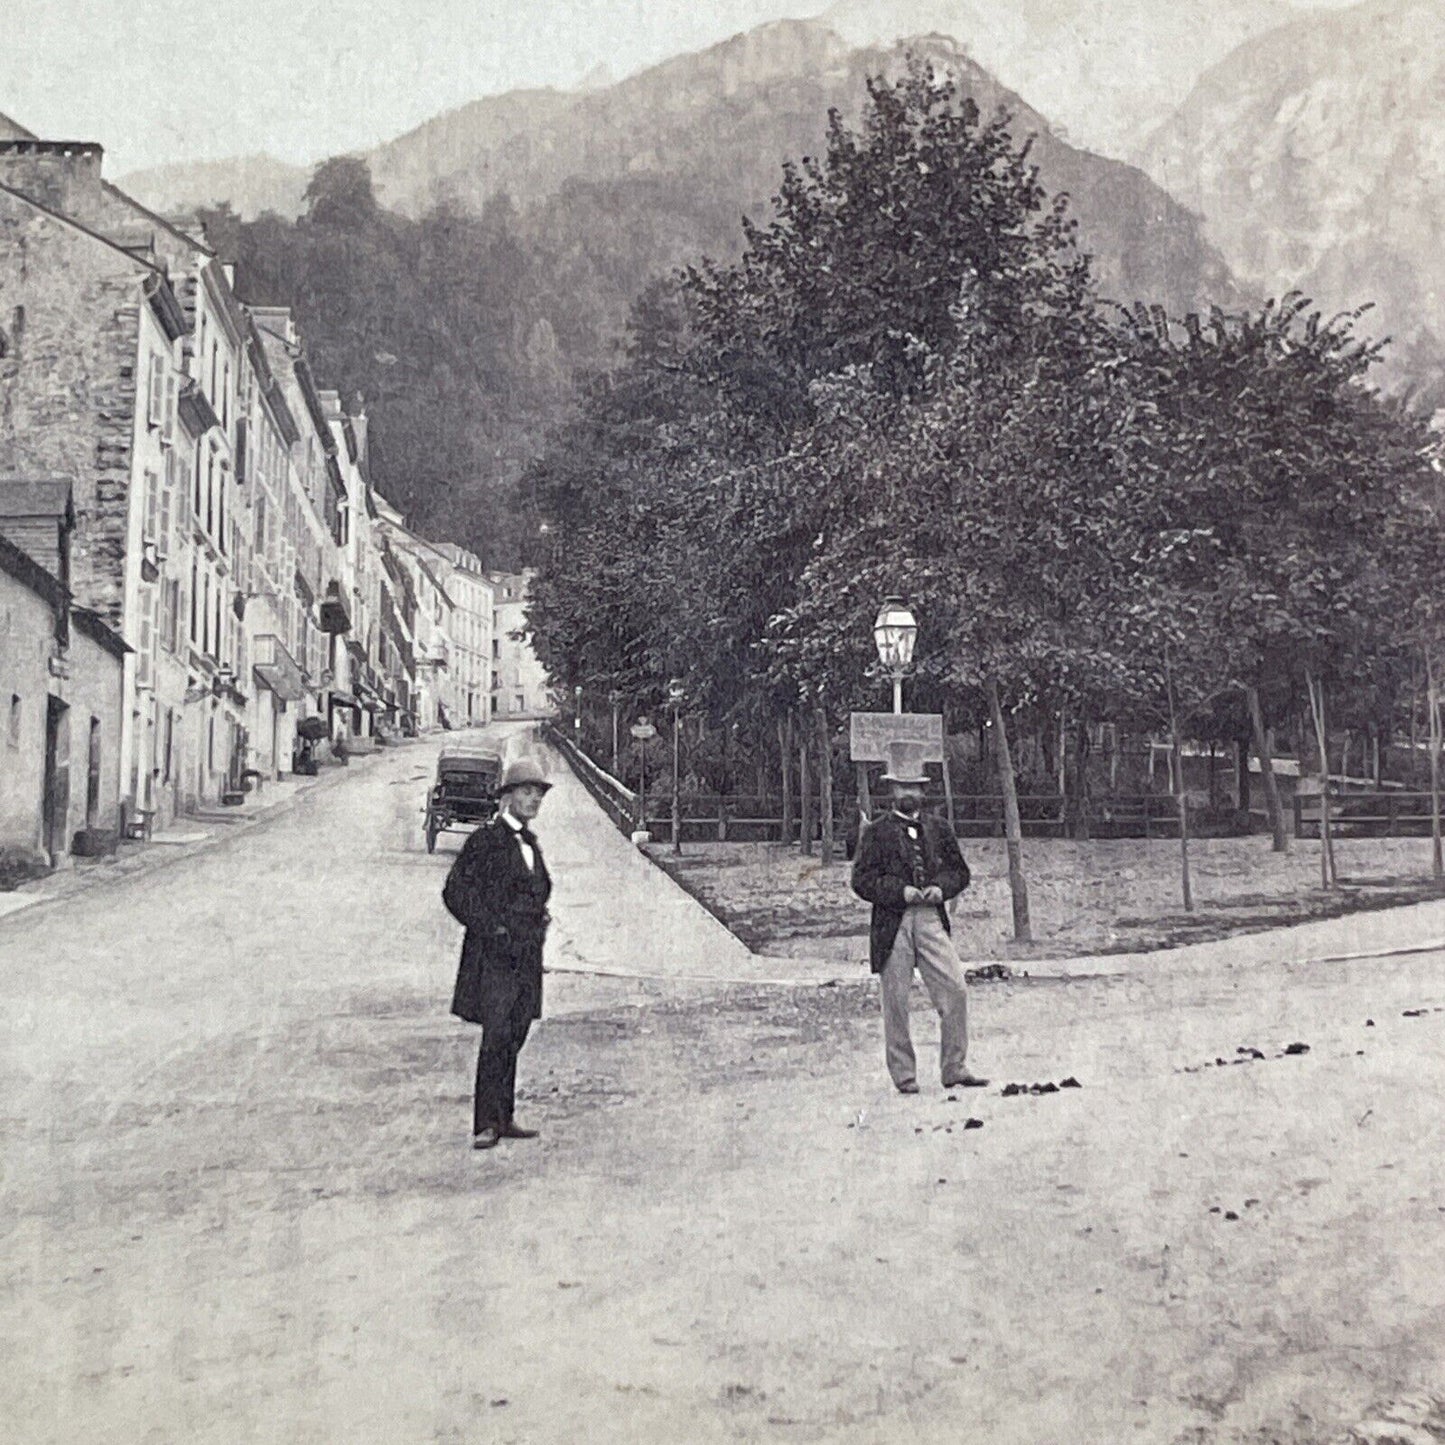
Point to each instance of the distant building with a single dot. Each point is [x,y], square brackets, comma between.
[519,686]
[472,636]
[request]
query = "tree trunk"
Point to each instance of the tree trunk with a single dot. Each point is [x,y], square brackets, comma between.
[825,781]
[1241,777]
[1266,771]
[1316,692]
[785,753]
[1077,797]
[1181,798]
[948,787]
[1437,871]
[1013,828]
[805,801]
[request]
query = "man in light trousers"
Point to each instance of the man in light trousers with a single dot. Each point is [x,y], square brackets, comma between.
[908,867]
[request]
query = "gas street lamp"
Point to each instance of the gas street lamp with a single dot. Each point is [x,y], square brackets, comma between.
[894,633]
[577,714]
[675,694]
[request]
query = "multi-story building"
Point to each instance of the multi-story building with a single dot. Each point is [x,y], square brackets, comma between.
[258,593]
[469,676]
[519,686]
[430,618]
[91,382]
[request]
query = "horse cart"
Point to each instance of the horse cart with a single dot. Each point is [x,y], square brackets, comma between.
[464,793]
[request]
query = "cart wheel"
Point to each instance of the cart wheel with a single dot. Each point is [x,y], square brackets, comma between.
[431,840]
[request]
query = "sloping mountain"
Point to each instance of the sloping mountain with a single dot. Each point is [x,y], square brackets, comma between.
[1317,157]
[251,184]
[654,171]
[1104,72]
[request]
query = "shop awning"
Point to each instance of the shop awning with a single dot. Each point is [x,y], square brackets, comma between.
[276,669]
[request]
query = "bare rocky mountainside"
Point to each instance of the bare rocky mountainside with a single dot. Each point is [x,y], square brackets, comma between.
[1106,73]
[655,171]
[1316,156]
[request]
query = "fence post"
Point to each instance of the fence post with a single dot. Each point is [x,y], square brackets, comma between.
[1299,817]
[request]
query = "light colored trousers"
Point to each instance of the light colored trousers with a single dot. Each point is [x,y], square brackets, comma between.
[924,942]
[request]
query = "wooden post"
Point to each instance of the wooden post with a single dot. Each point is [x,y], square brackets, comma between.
[1013,829]
[865,797]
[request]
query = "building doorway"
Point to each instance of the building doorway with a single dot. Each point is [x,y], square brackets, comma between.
[92,777]
[55,804]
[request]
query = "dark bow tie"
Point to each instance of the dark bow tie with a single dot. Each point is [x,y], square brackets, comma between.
[527,836]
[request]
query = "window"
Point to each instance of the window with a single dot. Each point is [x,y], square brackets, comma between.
[12,734]
[168,426]
[170,738]
[195,595]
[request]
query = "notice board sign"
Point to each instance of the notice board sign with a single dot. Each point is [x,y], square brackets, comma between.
[870,733]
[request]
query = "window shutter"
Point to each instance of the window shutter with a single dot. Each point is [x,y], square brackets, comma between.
[144,663]
[152,506]
[155,391]
[168,430]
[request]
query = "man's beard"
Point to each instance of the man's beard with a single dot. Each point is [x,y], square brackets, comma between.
[909,807]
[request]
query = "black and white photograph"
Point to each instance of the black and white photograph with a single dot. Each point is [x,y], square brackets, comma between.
[722,722]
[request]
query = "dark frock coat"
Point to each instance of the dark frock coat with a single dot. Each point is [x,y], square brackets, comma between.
[503,906]
[883,868]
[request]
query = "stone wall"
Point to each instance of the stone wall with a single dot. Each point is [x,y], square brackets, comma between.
[69,329]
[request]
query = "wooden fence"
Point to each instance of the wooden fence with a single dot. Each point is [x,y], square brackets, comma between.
[1365,815]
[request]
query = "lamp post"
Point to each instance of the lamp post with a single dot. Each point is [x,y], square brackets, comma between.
[577,715]
[675,693]
[615,698]
[894,632]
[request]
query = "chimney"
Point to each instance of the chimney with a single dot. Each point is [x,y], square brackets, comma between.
[61,174]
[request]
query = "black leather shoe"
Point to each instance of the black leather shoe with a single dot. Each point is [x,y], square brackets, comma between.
[487,1139]
[908,1086]
[513,1130]
[965,1080]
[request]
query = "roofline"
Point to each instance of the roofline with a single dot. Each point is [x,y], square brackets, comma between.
[95,627]
[160,220]
[84,230]
[20,565]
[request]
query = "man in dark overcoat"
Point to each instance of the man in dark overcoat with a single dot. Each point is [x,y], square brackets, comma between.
[908,866]
[498,889]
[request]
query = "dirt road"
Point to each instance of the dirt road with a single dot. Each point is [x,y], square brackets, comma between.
[239,1205]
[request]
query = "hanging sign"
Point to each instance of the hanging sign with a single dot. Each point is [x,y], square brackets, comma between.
[871,733]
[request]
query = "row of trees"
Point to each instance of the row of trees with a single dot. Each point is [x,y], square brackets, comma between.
[908,383]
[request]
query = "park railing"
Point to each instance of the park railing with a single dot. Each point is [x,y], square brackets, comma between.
[758,817]
[617,800]
[1364,815]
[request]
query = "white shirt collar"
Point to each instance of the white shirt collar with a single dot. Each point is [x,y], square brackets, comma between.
[515,824]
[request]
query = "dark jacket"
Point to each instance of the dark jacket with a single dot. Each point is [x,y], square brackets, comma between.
[503,906]
[883,868]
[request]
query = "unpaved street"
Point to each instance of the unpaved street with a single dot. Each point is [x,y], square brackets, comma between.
[238,1203]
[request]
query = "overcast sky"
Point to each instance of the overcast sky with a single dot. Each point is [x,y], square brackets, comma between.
[167,80]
